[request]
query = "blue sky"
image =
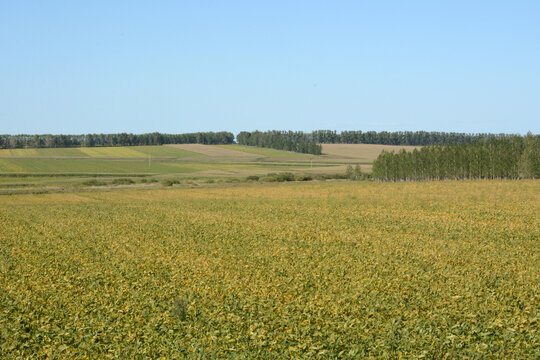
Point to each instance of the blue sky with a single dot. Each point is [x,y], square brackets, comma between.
[184,66]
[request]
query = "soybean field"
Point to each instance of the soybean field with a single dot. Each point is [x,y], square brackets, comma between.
[294,270]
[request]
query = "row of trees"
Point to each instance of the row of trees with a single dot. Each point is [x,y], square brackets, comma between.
[122,139]
[281,140]
[309,142]
[508,157]
[420,138]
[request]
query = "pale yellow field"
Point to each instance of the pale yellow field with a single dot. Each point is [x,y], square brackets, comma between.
[360,152]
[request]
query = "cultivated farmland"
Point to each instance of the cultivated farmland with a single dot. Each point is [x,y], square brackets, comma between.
[365,153]
[122,158]
[325,270]
[33,170]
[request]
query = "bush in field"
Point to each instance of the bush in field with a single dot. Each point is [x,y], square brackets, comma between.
[94,182]
[303,177]
[281,177]
[354,173]
[270,177]
[229,180]
[170,182]
[148,181]
[180,308]
[330,177]
[122,181]
[252,178]
[286,176]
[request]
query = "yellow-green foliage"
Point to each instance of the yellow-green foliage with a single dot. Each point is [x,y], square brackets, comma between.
[340,270]
[133,152]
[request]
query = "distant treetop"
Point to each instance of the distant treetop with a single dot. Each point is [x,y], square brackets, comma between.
[297,141]
[122,139]
[417,138]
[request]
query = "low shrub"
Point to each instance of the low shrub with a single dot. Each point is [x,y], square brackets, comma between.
[331,176]
[281,177]
[94,182]
[286,176]
[122,181]
[303,177]
[169,182]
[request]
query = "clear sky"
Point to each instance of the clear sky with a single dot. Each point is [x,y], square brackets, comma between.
[185,66]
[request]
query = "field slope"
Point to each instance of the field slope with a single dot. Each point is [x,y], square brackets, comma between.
[100,152]
[322,270]
[360,152]
[176,159]
[33,170]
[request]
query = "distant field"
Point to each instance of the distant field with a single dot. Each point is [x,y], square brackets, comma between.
[360,152]
[183,160]
[344,152]
[48,152]
[214,151]
[266,152]
[435,270]
[32,165]
[102,152]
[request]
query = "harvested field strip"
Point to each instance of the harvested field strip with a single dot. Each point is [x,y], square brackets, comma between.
[214,151]
[266,152]
[362,152]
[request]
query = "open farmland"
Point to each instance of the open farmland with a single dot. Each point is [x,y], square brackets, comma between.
[118,152]
[326,270]
[215,151]
[31,170]
[363,153]
[269,153]
[137,157]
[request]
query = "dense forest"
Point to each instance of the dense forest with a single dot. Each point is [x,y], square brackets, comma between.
[508,157]
[281,140]
[123,139]
[419,138]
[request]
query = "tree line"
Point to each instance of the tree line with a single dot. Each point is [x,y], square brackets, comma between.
[417,138]
[281,140]
[121,139]
[310,142]
[297,141]
[508,157]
